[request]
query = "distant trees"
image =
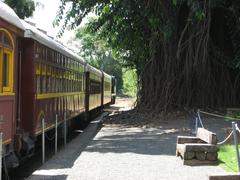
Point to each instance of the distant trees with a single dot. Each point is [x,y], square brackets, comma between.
[95,50]
[23,8]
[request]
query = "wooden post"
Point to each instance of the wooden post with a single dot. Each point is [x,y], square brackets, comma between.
[199,118]
[236,143]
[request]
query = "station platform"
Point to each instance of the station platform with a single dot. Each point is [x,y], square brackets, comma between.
[62,163]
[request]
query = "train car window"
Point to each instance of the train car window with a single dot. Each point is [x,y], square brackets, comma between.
[61,81]
[64,61]
[68,81]
[57,57]
[65,81]
[81,83]
[38,71]
[71,80]
[6,63]
[44,71]
[53,79]
[7,41]
[60,60]
[76,82]
[37,51]
[48,55]
[43,53]
[7,71]
[72,64]
[48,79]
[95,87]
[107,86]
[56,81]
[38,68]
[52,56]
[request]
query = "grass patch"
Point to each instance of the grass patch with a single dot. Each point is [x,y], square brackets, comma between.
[228,157]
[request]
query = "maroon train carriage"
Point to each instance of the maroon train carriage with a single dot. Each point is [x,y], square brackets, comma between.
[52,82]
[94,88]
[55,81]
[40,78]
[107,89]
[11,30]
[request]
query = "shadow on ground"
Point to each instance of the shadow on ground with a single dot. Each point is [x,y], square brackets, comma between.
[134,140]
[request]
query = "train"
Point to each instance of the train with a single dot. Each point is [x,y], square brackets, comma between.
[39,79]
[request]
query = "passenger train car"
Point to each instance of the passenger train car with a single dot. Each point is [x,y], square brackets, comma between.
[41,78]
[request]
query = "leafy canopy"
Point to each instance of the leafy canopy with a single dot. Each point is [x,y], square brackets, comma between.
[23,8]
[135,29]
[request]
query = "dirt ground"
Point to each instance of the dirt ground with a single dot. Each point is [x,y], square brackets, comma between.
[124,114]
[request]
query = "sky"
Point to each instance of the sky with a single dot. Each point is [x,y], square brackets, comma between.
[44,16]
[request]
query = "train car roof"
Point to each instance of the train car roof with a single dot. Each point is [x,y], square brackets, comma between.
[107,75]
[10,16]
[92,69]
[96,71]
[33,33]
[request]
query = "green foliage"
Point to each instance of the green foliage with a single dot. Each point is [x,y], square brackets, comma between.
[134,28]
[96,52]
[228,157]
[23,8]
[129,82]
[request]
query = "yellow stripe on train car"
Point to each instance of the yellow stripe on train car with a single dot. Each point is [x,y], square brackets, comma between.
[55,95]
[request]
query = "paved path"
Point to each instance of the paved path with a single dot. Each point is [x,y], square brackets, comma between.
[121,153]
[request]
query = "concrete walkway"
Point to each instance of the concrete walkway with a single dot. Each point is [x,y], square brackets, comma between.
[122,153]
